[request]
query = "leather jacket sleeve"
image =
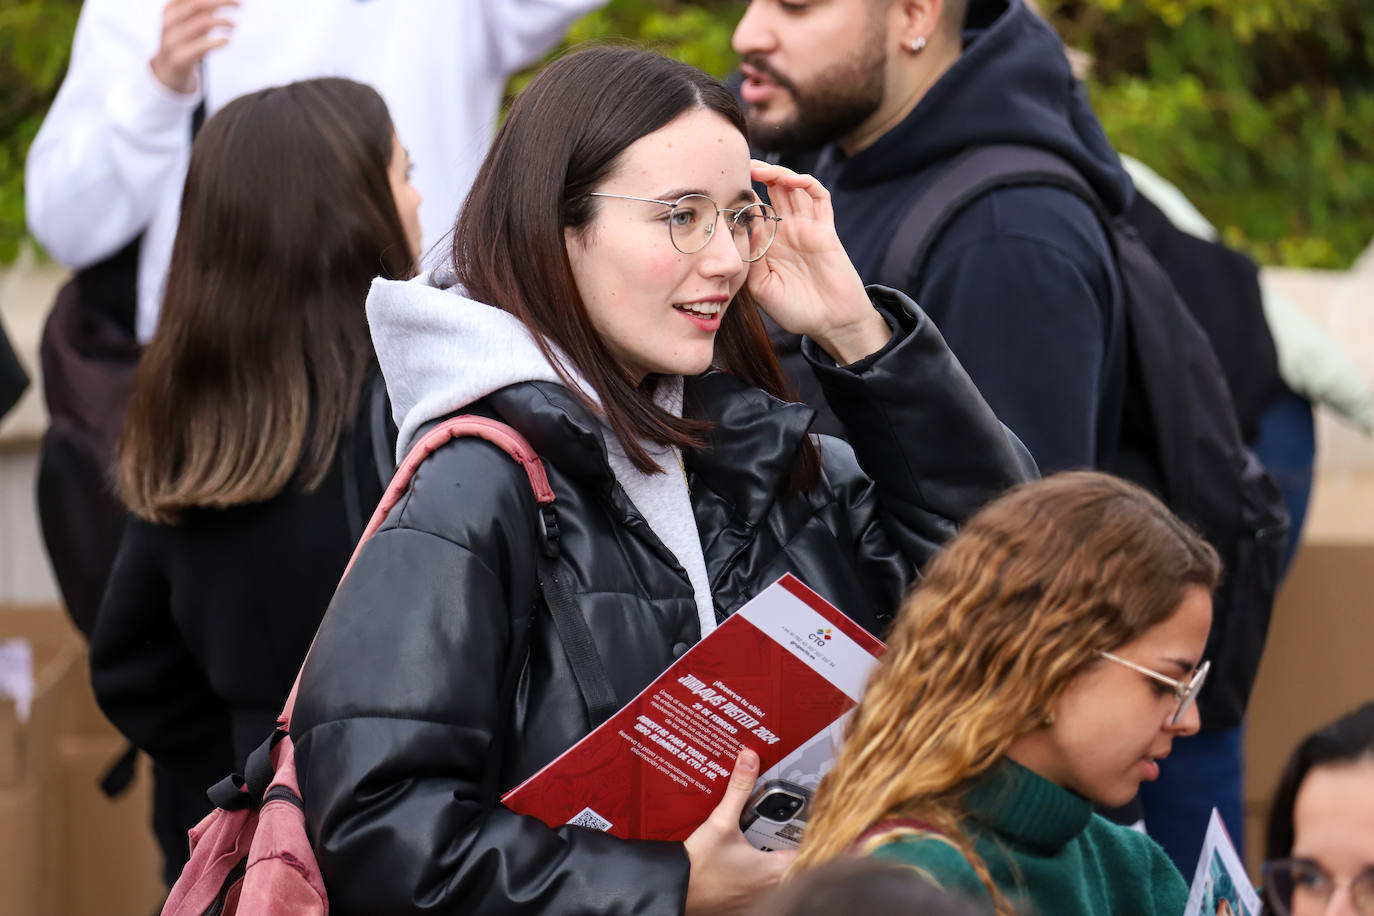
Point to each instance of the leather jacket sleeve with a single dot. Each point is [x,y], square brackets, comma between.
[930,449]
[398,707]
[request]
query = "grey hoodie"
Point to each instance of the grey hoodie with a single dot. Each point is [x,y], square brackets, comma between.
[441,351]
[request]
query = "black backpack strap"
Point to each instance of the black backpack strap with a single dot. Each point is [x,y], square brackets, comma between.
[119,775]
[965,180]
[382,455]
[248,789]
[577,641]
[353,508]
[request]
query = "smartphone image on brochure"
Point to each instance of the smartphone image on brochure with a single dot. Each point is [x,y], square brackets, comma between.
[776,814]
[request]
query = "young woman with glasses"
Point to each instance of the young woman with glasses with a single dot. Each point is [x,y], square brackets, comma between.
[1320,847]
[1046,662]
[607,275]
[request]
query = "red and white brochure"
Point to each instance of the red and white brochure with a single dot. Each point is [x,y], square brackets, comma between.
[773,677]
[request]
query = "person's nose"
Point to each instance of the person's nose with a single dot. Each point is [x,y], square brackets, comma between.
[752,34]
[1341,903]
[1188,724]
[720,256]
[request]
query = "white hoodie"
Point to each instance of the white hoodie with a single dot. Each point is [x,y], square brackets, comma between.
[441,351]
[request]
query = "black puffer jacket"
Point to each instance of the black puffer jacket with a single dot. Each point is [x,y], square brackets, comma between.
[398,704]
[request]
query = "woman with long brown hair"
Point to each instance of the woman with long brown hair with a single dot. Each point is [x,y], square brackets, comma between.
[1045,663]
[608,275]
[247,457]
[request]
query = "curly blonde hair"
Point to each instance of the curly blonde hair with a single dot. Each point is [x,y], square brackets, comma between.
[1015,607]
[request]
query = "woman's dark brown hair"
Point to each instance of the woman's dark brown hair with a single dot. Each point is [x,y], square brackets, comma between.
[262,346]
[564,136]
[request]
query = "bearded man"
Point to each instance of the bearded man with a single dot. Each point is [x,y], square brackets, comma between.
[1022,283]
[879,98]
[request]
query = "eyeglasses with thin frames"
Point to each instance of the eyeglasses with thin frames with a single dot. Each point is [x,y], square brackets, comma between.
[1298,887]
[692,222]
[1184,691]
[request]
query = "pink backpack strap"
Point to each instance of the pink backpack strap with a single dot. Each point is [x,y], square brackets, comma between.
[493,431]
[892,828]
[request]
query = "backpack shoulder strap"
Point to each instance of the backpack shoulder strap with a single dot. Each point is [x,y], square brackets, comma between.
[572,626]
[971,175]
[493,431]
[894,828]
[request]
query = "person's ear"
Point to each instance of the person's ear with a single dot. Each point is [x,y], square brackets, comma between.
[916,23]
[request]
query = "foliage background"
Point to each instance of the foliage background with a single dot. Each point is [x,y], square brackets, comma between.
[1261,111]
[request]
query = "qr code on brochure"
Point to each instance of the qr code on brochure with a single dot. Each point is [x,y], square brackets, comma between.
[591,820]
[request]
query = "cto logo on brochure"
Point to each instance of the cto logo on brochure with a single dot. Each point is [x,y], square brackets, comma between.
[820,636]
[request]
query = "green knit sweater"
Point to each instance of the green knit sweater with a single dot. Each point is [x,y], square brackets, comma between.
[1047,852]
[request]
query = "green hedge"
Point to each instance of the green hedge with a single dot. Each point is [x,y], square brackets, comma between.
[35,36]
[1262,111]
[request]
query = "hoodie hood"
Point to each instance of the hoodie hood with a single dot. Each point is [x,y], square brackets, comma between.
[1012,84]
[441,351]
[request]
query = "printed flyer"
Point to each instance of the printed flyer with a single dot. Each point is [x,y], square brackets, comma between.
[1220,886]
[777,676]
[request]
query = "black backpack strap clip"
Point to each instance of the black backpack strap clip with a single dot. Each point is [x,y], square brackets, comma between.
[238,791]
[548,532]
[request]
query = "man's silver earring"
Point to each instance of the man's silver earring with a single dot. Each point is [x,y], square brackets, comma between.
[917,44]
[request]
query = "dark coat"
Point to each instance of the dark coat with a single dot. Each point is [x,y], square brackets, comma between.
[204,624]
[1023,283]
[399,701]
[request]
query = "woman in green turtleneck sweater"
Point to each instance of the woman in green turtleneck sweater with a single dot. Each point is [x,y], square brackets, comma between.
[1046,662]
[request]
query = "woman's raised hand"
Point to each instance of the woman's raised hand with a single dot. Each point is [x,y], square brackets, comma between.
[728,874]
[805,281]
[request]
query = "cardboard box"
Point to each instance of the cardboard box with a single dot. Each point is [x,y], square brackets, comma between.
[66,849]
[1316,666]
[110,860]
[30,828]
[21,858]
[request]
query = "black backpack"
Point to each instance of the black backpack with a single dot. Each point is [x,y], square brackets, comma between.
[1190,450]
[13,378]
[89,355]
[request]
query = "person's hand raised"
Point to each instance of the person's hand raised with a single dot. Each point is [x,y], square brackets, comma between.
[806,281]
[187,27]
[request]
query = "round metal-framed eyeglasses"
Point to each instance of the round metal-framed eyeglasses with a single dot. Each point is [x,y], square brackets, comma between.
[1301,887]
[692,221]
